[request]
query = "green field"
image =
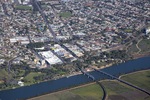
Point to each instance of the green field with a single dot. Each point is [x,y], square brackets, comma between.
[115,90]
[89,92]
[23,7]
[4,74]
[29,79]
[65,14]
[141,79]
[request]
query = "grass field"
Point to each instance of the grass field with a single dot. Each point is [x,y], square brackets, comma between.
[114,87]
[115,90]
[141,79]
[4,74]
[145,45]
[23,7]
[89,92]
[30,78]
[65,14]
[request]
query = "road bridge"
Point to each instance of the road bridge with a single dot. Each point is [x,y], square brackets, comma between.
[92,78]
[122,81]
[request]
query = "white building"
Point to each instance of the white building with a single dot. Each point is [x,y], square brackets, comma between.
[148,30]
[50,57]
[22,40]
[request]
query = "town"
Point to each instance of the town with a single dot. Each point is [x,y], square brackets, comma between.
[48,39]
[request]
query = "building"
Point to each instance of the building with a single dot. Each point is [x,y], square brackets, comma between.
[50,58]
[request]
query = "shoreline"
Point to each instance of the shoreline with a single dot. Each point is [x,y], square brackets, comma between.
[133,73]
[71,85]
[137,56]
[82,85]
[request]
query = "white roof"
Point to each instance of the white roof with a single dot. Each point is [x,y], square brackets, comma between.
[50,57]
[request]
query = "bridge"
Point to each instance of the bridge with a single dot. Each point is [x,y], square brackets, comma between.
[93,79]
[88,75]
[122,81]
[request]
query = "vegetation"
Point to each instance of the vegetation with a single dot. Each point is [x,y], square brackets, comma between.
[128,30]
[141,79]
[65,14]
[23,7]
[145,45]
[90,92]
[29,79]
[4,74]
[35,45]
[114,89]
[132,49]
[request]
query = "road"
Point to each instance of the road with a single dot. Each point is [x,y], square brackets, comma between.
[137,45]
[9,65]
[51,30]
[92,78]
[5,9]
[45,19]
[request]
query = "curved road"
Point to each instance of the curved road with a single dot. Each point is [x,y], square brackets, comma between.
[9,65]
[122,81]
[92,77]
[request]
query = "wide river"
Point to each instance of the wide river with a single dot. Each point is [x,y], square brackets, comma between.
[63,83]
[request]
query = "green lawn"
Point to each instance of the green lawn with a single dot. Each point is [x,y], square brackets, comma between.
[65,14]
[4,74]
[145,45]
[23,7]
[30,78]
[91,92]
[128,30]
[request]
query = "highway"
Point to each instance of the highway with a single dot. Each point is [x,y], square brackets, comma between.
[51,30]
[122,81]
[46,21]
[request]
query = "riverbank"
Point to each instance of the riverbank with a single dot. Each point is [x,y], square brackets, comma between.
[117,89]
[136,56]
[133,73]
[73,81]
[106,80]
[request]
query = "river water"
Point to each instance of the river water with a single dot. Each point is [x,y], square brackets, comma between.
[63,83]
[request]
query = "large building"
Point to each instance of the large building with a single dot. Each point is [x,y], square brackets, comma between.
[50,58]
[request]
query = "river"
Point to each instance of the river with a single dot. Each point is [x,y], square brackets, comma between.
[63,83]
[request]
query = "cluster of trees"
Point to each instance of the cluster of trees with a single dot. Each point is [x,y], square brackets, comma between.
[35,45]
[116,54]
[48,73]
